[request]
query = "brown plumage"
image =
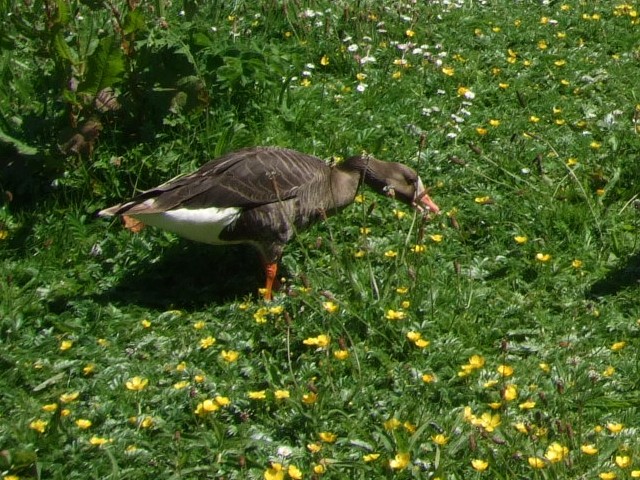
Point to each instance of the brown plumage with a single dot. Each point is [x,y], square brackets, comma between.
[264,195]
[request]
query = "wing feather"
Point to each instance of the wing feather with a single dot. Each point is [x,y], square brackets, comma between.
[246,178]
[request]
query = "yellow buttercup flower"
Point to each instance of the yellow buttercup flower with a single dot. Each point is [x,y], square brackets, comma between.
[370,457]
[505,370]
[399,214]
[623,461]
[69,397]
[614,427]
[206,407]
[314,447]
[257,395]
[137,384]
[83,423]
[483,200]
[413,336]
[556,452]
[536,462]
[618,346]
[589,449]
[199,325]
[294,472]
[400,461]
[328,437]
[392,424]
[330,307]
[50,407]
[229,356]
[409,427]
[39,425]
[607,475]
[528,405]
[321,341]
[476,361]
[521,427]
[281,394]
[440,439]
[428,378]
[274,472]
[510,393]
[99,441]
[394,315]
[146,422]
[543,257]
[479,465]
[341,354]
[448,71]
[260,315]
[309,398]
[487,421]
[207,342]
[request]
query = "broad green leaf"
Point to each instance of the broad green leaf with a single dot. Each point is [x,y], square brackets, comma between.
[63,12]
[133,22]
[21,147]
[63,49]
[104,67]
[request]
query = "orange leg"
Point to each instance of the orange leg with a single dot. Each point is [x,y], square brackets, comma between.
[270,270]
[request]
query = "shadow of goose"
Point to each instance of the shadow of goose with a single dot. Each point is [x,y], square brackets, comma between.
[189,276]
[621,278]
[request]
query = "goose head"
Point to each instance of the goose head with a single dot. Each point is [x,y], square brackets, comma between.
[394,180]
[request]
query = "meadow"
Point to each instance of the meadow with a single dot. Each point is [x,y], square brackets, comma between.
[497,340]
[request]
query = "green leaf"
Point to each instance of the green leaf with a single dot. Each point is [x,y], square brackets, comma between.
[63,12]
[21,148]
[63,49]
[104,67]
[133,22]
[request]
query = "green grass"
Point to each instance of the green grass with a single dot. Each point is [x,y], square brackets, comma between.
[521,119]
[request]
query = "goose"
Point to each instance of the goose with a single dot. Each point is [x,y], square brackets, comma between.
[264,195]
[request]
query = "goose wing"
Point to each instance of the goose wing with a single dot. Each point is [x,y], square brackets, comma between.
[246,178]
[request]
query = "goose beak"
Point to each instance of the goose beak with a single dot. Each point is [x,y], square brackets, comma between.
[425,204]
[423,201]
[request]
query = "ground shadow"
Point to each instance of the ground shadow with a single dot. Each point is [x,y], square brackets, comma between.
[625,276]
[190,276]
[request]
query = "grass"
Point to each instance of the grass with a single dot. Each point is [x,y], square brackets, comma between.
[503,346]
